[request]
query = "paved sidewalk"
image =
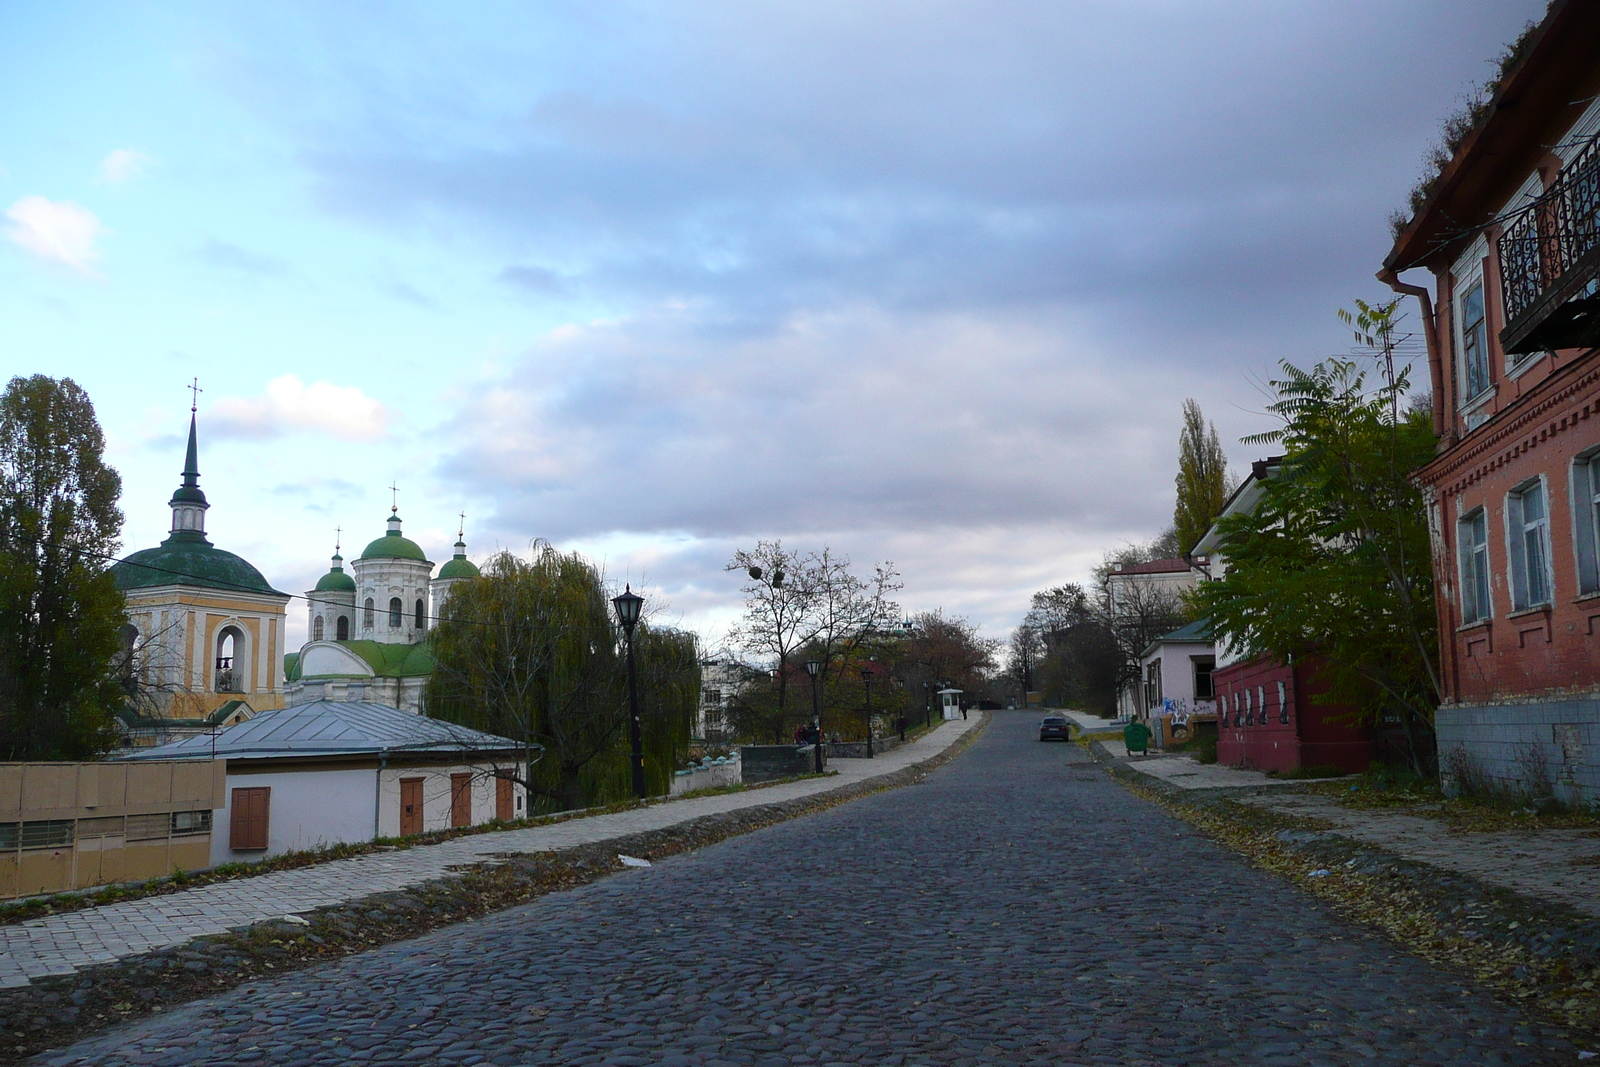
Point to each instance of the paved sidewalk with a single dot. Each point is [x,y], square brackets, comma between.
[1558,865]
[60,944]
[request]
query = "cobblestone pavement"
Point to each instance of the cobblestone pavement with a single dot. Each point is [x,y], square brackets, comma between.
[60,944]
[1559,865]
[1017,908]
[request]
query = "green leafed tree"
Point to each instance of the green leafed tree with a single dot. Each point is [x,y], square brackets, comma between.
[1334,561]
[1202,478]
[530,650]
[61,615]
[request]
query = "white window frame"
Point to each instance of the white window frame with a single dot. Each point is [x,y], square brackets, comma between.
[1478,550]
[1584,488]
[1524,595]
[1471,398]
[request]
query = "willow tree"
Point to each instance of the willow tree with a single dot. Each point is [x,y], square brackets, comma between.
[529,650]
[61,615]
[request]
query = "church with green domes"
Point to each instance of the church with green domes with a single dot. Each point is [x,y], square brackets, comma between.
[368,627]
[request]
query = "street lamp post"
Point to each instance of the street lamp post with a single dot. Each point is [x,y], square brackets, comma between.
[628,604]
[814,668]
[866,680]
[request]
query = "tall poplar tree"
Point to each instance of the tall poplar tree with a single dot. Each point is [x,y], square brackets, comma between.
[61,614]
[1202,478]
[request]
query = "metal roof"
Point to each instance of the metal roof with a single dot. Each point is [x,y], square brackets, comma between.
[329,728]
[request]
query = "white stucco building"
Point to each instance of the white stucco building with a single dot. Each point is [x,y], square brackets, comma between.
[337,772]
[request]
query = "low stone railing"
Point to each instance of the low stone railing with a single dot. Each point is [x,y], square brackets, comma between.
[707,774]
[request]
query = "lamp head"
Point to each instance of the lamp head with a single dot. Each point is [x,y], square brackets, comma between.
[813,666]
[627,604]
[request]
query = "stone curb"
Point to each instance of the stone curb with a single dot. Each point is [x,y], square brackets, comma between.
[1540,955]
[52,1012]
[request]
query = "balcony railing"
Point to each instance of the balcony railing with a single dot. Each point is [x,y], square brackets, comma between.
[1550,263]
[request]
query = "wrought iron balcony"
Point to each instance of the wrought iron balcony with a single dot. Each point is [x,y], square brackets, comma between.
[1550,263]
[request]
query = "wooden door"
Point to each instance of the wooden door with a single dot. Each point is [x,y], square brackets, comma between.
[503,802]
[410,806]
[461,800]
[248,822]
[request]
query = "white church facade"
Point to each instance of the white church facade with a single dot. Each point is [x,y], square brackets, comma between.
[369,628]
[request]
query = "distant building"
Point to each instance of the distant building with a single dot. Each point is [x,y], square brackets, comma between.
[1146,599]
[369,630]
[1176,670]
[722,679]
[205,631]
[1511,233]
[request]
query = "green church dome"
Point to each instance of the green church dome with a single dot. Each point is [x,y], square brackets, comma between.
[459,566]
[336,580]
[393,546]
[187,558]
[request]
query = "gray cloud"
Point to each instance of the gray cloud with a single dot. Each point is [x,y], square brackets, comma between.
[920,275]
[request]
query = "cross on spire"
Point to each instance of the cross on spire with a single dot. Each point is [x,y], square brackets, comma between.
[462,532]
[194,395]
[394,498]
[338,532]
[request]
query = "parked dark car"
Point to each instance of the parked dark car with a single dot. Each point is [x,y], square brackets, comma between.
[1054,727]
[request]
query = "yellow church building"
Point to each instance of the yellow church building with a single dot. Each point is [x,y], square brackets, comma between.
[205,631]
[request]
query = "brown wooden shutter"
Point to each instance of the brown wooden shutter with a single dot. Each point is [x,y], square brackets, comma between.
[503,800]
[461,800]
[249,818]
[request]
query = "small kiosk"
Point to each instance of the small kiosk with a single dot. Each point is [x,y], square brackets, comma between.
[950,702]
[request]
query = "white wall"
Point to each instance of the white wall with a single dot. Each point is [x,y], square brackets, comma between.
[308,809]
[314,808]
[436,796]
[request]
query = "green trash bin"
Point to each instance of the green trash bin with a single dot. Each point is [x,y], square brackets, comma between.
[1136,735]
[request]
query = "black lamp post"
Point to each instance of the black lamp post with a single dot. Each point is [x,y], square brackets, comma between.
[866,680]
[927,704]
[814,668]
[628,605]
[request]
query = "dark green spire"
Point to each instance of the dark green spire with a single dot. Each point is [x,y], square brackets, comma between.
[189,492]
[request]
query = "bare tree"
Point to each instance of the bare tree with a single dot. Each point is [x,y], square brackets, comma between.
[779,608]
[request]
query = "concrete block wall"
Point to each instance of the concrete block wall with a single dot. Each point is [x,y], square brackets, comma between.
[1499,739]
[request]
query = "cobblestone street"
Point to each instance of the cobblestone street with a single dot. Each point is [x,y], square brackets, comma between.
[1012,909]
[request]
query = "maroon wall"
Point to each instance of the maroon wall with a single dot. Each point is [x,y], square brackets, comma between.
[1254,699]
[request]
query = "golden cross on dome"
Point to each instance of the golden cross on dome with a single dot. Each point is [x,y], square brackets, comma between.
[194,395]
[462,532]
[338,531]
[394,497]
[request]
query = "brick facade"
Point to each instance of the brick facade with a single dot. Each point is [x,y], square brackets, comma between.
[1512,506]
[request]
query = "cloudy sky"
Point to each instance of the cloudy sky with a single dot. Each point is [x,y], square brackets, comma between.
[922,281]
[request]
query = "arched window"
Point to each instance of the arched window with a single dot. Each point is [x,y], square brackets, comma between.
[422,615]
[316,628]
[397,612]
[366,615]
[342,627]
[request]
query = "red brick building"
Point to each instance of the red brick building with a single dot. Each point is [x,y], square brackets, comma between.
[1511,234]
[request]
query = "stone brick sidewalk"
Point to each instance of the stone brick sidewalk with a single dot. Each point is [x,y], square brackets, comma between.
[60,944]
[1557,865]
